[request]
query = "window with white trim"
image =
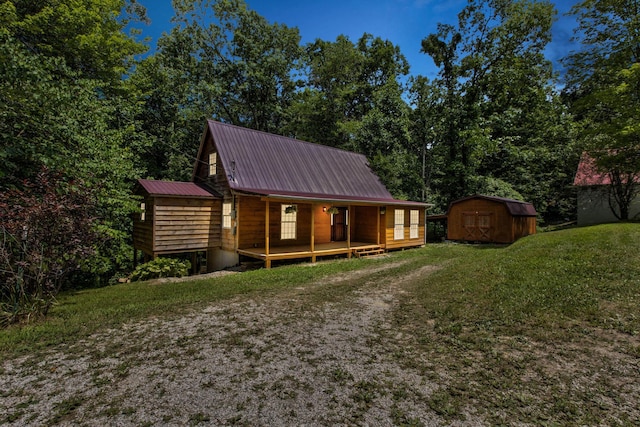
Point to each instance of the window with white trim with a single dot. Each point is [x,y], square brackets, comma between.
[398,224]
[288,222]
[414,224]
[226,215]
[213,164]
[143,211]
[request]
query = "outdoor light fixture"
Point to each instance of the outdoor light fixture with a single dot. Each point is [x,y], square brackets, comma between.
[324,209]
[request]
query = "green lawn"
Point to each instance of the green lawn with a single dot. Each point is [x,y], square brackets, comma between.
[551,279]
[542,332]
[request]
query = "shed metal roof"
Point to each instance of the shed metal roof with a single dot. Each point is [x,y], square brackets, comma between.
[515,207]
[272,165]
[174,188]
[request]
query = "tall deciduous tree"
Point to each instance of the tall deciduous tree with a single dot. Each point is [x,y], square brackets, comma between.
[65,105]
[603,83]
[502,127]
[221,60]
[353,99]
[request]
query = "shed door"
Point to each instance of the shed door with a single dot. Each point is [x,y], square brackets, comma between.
[477,226]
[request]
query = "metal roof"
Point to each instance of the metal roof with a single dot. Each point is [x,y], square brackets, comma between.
[273,165]
[588,174]
[174,188]
[515,207]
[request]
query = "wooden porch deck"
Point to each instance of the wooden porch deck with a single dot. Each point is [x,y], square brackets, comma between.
[304,251]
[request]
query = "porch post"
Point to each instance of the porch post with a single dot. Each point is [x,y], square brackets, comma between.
[313,231]
[267,261]
[349,230]
[378,227]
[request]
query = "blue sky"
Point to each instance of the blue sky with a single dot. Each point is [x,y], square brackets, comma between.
[403,22]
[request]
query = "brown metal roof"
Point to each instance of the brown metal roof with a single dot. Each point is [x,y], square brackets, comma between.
[268,164]
[174,188]
[515,207]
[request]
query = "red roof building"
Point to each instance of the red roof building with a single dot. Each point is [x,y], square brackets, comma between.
[593,198]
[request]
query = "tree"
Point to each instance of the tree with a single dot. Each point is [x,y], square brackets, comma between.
[65,105]
[498,122]
[603,86]
[221,60]
[46,233]
[343,78]
[353,99]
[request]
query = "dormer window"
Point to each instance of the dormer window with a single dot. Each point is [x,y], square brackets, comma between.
[213,164]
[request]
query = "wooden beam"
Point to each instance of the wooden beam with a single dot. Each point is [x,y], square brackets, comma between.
[378,227]
[313,232]
[349,230]
[267,262]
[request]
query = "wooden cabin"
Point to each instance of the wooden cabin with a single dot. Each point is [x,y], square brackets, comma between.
[270,198]
[490,219]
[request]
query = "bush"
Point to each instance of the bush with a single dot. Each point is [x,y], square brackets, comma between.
[161,267]
[46,231]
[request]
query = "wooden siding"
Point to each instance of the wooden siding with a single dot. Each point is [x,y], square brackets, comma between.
[321,224]
[389,228]
[364,224]
[251,216]
[183,224]
[486,221]
[228,235]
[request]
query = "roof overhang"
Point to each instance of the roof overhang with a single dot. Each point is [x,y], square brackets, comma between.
[332,199]
[175,189]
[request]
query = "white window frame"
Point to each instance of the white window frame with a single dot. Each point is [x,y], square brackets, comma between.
[398,227]
[414,224]
[143,211]
[288,222]
[213,163]
[226,215]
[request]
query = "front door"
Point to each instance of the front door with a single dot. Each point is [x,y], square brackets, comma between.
[339,226]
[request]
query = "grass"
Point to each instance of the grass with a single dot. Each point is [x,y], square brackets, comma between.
[553,279]
[79,314]
[541,332]
[518,333]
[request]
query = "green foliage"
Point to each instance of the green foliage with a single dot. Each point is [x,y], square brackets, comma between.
[604,91]
[493,112]
[490,186]
[66,106]
[46,233]
[161,267]
[87,35]
[222,61]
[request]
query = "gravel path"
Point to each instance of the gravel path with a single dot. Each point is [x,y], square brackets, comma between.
[287,359]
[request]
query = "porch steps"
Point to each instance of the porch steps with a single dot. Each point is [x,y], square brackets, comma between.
[368,252]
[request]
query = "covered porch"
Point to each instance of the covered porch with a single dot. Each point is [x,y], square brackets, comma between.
[278,228]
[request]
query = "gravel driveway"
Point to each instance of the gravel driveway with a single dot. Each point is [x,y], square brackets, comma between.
[286,359]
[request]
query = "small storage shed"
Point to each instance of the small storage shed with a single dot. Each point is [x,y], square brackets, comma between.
[176,217]
[481,218]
